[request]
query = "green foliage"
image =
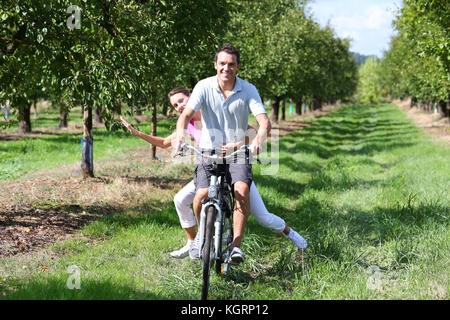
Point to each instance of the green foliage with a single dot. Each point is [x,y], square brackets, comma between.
[369,86]
[286,54]
[122,52]
[360,58]
[418,61]
[134,52]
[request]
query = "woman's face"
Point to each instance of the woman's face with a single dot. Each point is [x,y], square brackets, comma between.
[179,101]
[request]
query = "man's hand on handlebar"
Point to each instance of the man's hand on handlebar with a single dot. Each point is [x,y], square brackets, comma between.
[255,148]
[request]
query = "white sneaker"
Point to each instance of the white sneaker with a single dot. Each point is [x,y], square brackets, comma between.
[183,252]
[297,239]
[237,256]
[194,248]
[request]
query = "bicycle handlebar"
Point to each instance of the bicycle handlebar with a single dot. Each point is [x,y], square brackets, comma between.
[185,146]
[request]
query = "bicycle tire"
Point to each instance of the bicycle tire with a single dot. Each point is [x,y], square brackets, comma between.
[227,234]
[208,250]
[221,247]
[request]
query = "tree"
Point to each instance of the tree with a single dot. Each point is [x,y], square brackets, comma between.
[417,63]
[118,51]
[369,87]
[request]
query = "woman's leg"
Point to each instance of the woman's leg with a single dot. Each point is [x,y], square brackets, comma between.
[183,200]
[261,214]
[271,221]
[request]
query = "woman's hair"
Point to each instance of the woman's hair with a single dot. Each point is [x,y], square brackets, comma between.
[179,90]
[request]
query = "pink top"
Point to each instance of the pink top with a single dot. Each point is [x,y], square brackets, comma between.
[193,131]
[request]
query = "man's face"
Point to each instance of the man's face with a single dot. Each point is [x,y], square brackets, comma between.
[179,101]
[226,66]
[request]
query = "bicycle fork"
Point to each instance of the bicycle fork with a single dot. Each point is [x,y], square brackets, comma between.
[211,201]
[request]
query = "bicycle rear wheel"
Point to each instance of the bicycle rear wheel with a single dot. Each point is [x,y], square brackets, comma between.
[208,250]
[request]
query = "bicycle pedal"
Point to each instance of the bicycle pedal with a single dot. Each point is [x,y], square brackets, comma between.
[235,262]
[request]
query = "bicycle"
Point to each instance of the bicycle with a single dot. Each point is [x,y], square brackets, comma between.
[216,217]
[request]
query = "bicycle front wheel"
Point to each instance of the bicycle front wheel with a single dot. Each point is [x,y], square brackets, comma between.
[208,249]
[226,238]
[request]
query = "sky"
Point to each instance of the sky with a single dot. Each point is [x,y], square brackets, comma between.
[367,22]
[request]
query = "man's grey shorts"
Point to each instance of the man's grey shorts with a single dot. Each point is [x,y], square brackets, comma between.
[236,172]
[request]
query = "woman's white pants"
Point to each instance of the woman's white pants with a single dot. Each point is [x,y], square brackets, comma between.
[184,198]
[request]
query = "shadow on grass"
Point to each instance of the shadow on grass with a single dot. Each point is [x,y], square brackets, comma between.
[163,214]
[289,188]
[334,238]
[54,287]
[334,234]
[350,127]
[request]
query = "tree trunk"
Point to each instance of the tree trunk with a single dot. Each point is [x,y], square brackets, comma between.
[413,102]
[275,110]
[154,129]
[298,107]
[5,110]
[317,103]
[63,113]
[87,157]
[444,108]
[283,110]
[24,119]
[35,108]
[165,109]
[98,115]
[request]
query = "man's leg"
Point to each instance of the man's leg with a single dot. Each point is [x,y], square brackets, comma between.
[241,180]
[201,194]
[241,211]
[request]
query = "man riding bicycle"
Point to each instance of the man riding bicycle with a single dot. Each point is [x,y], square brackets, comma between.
[225,101]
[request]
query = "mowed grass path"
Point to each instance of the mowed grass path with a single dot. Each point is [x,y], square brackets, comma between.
[365,187]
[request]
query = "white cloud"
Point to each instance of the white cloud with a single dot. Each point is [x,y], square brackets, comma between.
[373,18]
[367,22]
[350,35]
[377,18]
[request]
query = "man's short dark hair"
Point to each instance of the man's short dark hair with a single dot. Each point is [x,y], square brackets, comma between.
[179,90]
[228,48]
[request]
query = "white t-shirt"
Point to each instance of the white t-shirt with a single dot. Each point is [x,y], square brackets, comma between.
[224,120]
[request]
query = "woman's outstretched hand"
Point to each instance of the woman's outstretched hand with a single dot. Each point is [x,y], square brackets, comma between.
[128,126]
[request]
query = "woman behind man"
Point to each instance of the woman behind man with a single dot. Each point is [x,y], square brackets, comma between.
[178,98]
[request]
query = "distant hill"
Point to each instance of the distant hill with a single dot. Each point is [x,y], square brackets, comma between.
[360,58]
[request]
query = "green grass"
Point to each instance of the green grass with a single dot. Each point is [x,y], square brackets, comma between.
[367,189]
[59,147]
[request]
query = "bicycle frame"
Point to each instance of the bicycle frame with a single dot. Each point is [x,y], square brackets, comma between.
[218,200]
[213,200]
[211,231]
